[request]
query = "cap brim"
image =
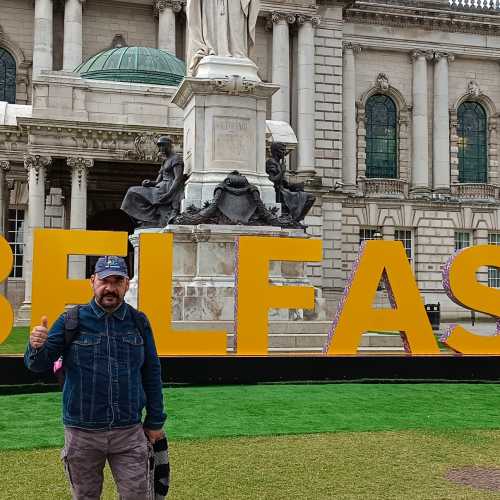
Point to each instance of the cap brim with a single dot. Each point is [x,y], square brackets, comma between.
[110,272]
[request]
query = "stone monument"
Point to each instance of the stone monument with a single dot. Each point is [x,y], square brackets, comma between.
[224,100]
[228,192]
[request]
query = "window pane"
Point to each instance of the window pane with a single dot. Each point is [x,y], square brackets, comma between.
[462,240]
[404,235]
[7,77]
[494,272]
[381,137]
[15,239]
[472,143]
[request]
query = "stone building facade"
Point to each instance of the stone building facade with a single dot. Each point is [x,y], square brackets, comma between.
[394,103]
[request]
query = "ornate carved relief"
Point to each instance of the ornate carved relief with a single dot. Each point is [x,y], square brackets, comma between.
[473,89]
[80,166]
[4,165]
[175,5]
[356,48]
[118,41]
[417,53]
[382,82]
[145,147]
[314,20]
[287,17]
[34,163]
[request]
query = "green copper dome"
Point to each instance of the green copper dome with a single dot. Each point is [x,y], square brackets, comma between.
[135,65]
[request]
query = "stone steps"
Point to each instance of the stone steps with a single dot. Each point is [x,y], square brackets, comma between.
[300,336]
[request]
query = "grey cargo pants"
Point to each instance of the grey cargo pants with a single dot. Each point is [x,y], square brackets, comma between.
[84,456]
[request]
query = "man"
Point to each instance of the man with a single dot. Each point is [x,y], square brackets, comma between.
[112,371]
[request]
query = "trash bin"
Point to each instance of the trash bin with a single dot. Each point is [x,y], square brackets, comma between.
[434,314]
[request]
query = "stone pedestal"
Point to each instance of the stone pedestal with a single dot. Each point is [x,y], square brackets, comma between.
[204,272]
[224,127]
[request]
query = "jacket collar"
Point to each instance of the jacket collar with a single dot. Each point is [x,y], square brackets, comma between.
[100,312]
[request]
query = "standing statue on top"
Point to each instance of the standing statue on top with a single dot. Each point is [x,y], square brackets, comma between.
[157,203]
[295,202]
[223,28]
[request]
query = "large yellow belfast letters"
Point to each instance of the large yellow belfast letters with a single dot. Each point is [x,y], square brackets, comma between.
[460,283]
[6,312]
[52,290]
[155,300]
[254,296]
[356,314]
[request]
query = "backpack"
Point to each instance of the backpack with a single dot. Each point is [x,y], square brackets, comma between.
[71,327]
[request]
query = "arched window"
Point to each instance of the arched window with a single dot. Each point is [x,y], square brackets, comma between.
[472,143]
[7,77]
[381,137]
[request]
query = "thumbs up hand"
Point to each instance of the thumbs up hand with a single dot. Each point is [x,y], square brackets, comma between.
[39,334]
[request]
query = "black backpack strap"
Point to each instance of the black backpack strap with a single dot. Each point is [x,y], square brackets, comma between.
[140,321]
[71,325]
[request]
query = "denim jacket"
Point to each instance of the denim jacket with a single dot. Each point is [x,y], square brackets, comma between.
[111,372]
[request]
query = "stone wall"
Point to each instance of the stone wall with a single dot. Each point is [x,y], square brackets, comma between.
[328,78]
[16,22]
[102,20]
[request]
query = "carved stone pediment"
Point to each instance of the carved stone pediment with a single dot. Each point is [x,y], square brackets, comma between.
[382,82]
[145,147]
[473,88]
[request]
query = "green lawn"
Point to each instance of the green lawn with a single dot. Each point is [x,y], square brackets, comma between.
[407,465]
[263,410]
[280,441]
[16,342]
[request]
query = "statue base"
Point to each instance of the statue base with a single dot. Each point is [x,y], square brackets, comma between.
[224,130]
[223,67]
[204,273]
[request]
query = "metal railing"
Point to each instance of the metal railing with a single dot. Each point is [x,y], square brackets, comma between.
[476,4]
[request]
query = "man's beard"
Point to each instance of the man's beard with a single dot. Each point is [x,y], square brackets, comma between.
[107,305]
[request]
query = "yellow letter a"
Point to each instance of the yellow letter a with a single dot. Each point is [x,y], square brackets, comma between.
[356,315]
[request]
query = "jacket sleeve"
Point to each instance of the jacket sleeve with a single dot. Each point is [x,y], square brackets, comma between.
[40,360]
[151,382]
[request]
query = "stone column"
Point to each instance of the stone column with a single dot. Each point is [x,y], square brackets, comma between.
[37,171]
[73,21]
[78,214]
[42,37]
[4,207]
[4,199]
[167,10]
[441,124]
[281,65]
[305,93]
[420,143]
[349,163]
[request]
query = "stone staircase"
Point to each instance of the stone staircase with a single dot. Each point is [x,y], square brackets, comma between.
[300,336]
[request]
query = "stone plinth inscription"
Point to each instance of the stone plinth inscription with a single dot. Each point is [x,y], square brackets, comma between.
[231,140]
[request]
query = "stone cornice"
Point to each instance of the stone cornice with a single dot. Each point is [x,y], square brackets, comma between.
[63,139]
[397,45]
[267,7]
[232,85]
[409,13]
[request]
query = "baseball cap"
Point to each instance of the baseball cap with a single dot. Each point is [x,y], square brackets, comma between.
[111,265]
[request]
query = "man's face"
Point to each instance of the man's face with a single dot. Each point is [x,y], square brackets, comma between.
[109,292]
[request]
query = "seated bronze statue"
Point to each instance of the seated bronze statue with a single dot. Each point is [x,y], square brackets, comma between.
[295,202]
[157,203]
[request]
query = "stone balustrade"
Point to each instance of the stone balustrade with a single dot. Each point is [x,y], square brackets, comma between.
[476,4]
[384,188]
[475,191]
